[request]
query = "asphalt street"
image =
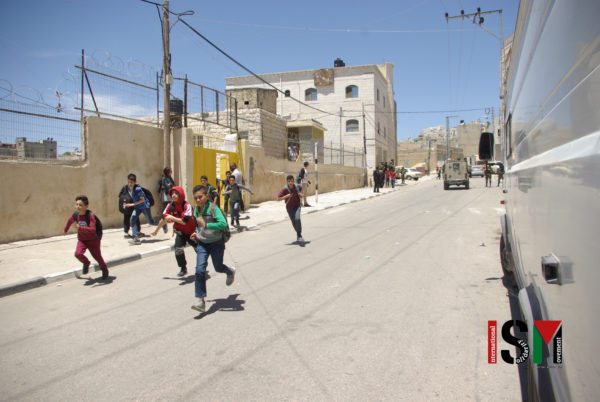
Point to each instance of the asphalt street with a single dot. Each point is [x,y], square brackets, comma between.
[388,299]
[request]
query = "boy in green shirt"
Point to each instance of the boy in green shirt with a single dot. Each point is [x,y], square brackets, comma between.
[210,224]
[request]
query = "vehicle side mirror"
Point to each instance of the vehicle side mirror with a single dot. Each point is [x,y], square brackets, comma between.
[486,146]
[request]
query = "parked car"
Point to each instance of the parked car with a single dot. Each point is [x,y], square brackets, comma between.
[477,170]
[413,174]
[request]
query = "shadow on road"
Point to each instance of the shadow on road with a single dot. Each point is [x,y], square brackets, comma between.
[231,303]
[298,243]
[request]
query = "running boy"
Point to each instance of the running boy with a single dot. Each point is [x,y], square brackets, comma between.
[234,190]
[292,194]
[87,238]
[210,224]
[180,213]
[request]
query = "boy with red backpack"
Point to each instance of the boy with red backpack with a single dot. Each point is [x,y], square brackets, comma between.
[89,233]
[181,214]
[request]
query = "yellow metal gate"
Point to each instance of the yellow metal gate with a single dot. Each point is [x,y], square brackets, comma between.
[212,164]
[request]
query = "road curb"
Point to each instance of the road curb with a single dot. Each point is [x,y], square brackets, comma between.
[40,281]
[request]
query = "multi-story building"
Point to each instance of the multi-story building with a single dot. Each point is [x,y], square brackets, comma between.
[355,105]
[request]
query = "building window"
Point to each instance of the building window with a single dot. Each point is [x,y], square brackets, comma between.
[287,93]
[377,94]
[351,126]
[383,100]
[310,94]
[378,128]
[351,91]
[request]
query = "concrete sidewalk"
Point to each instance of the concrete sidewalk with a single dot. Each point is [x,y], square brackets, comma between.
[33,263]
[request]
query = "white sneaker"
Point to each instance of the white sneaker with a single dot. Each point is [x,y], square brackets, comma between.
[230,278]
[201,307]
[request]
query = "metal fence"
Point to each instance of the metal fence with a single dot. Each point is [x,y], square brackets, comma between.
[343,156]
[50,127]
[31,127]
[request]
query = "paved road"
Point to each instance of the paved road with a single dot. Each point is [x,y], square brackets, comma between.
[388,300]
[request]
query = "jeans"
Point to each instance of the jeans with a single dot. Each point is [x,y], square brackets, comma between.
[235,211]
[295,218]
[393,183]
[127,220]
[215,251]
[135,220]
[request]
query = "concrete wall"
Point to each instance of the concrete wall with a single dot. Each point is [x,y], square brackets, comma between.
[266,175]
[39,196]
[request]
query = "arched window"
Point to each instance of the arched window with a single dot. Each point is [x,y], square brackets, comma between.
[287,93]
[310,94]
[351,126]
[351,91]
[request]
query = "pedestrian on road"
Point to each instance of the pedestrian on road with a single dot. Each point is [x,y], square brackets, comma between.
[488,175]
[387,177]
[500,174]
[180,213]
[292,194]
[88,237]
[239,179]
[213,194]
[141,206]
[210,224]
[222,188]
[393,177]
[165,184]
[234,190]
[304,181]
[125,198]
[376,180]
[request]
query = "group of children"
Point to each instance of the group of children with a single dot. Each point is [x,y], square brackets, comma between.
[203,227]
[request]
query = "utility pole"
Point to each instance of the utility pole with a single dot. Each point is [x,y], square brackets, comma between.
[477,19]
[365,146]
[167,80]
[448,136]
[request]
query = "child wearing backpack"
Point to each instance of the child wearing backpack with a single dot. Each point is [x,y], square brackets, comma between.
[89,233]
[292,195]
[180,213]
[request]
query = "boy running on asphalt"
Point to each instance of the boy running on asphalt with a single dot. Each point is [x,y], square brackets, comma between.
[292,195]
[210,224]
[180,213]
[87,238]
[234,190]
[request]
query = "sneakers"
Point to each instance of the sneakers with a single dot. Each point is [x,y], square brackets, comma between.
[86,268]
[105,274]
[299,238]
[201,307]
[307,205]
[237,222]
[135,241]
[230,278]
[182,272]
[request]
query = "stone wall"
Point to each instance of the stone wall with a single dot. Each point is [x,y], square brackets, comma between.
[266,175]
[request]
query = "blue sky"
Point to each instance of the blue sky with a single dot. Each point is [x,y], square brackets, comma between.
[439,66]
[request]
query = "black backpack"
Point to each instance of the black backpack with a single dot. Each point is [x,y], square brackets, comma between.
[300,176]
[149,196]
[87,220]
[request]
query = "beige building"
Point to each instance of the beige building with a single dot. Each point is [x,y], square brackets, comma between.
[335,99]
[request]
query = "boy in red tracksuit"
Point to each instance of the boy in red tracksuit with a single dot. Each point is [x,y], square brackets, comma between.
[87,237]
[181,213]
